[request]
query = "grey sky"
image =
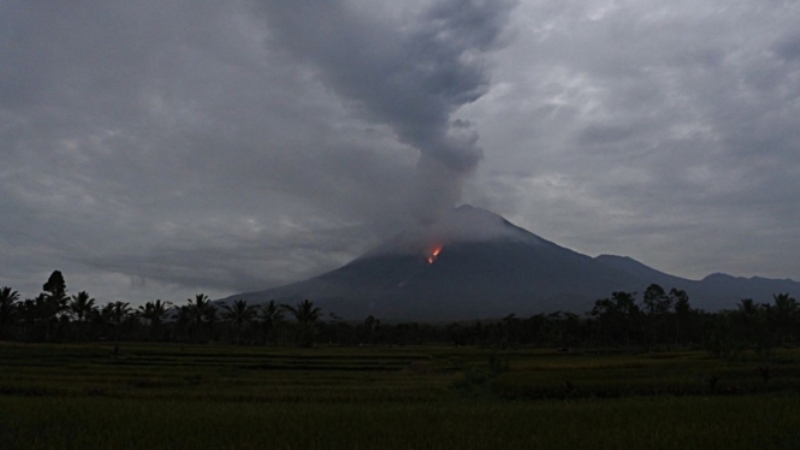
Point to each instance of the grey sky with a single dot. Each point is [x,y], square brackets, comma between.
[155,149]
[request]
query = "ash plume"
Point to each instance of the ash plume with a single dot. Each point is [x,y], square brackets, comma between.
[409,75]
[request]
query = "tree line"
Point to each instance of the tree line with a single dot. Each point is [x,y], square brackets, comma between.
[663,319]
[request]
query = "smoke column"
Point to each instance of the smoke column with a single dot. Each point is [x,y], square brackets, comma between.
[410,76]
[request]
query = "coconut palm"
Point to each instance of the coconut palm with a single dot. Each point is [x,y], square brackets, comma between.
[81,306]
[785,311]
[201,310]
[304,312]
[42,313]
[270,315]
[748,312]
[154,313]
[197,308]
[239,313]
[8,307]
[754,325]
[211,317]
[120,311]
[116,314]
[747,307]
[182,318]
[306,315]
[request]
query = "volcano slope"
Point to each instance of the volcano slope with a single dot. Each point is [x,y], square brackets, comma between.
[474,264]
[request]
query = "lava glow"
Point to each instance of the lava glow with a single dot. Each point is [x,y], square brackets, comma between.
[434,253]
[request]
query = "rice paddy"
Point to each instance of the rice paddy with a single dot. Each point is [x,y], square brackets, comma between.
[197,396]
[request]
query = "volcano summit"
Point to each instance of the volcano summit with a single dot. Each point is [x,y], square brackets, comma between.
[474,264]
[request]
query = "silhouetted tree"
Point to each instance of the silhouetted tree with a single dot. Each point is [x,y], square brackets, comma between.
[785,310]
[81,306]
[368,330]
[211,317]
[657,304]
[53,303]
[8,310]
[199,312]
[564,328]
[56,286]
[118,313]
[683,312]
[456,334]
[239,313]
[154,314]
[270,315]
[183,322]
[306,315]
[618,317]
[753,326]
[511,330]
[337,330]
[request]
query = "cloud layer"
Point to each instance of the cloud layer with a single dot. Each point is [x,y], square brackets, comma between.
[158,148]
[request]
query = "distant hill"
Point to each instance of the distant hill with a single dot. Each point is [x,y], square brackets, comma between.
[475,264]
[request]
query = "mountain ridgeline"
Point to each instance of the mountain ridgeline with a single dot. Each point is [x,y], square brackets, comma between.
[474,264]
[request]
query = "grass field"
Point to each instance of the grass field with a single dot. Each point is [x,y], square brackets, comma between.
[172,396]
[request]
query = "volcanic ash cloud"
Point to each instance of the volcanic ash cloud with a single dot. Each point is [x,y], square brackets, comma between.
[409,74]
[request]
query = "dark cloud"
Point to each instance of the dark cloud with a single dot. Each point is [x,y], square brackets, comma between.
[788,48]
[678,118]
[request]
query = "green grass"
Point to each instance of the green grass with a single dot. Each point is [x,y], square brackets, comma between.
[173,396]
[663,423]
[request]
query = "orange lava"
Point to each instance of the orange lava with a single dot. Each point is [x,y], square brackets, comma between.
[434,253]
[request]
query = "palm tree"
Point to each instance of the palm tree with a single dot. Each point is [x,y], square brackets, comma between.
[201,310]
[747,310]
[306,315]
[197,311]
[785,311]
[211,316]
[47,308]
[304,312]
[747,307]
[183,318]
[270,314]
[101,319]
[118,313]
[239,312]
[198,307]
[154,313]
[81,306]
[8,307]
[754,322]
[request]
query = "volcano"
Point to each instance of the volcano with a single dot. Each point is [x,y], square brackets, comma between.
[474,264]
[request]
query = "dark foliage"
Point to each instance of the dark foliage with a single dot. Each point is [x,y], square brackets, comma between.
[662,320]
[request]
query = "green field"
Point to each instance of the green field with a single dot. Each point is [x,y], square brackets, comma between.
[173,396]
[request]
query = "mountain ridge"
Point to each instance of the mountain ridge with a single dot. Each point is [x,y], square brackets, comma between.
[475,264]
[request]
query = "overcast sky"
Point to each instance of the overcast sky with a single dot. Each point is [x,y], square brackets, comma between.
[161,148]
